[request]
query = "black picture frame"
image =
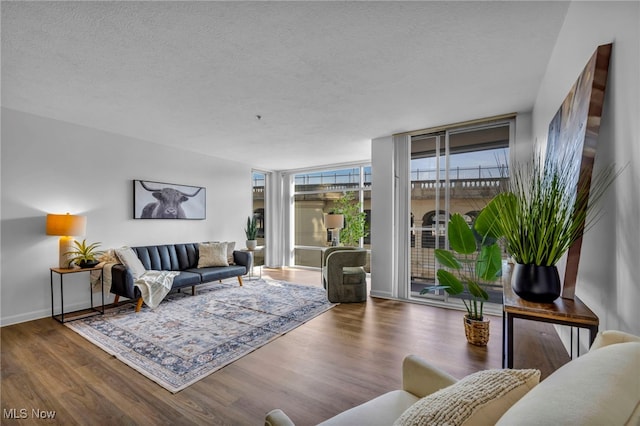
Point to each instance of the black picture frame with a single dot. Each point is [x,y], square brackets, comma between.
[160,200]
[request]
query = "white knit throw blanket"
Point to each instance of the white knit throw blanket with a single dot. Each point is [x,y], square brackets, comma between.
[107,260]
[154,286]
[106,277]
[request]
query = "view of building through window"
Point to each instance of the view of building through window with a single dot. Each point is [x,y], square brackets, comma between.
[454,171]
[259,195]
[315,194]
[451,172]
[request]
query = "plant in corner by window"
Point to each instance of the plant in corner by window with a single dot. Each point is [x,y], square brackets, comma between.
[251,231]
[355,223]
[83,254]
[475,259]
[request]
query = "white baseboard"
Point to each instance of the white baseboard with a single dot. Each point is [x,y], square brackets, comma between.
[44,313]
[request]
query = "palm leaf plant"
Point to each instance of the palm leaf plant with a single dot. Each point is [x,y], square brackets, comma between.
[474,260]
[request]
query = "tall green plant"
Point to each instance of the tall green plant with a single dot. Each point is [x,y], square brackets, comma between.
[545,209]
[251,231]
[474,258]
[355,224]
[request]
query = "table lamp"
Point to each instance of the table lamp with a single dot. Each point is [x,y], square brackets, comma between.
[334,222]
[66,226]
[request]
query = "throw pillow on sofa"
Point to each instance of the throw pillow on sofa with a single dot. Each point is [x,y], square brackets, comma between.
[129,259]
[212,254]
[478,399]
[231,246]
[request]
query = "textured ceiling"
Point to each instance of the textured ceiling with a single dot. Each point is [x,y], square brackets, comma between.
[325,77]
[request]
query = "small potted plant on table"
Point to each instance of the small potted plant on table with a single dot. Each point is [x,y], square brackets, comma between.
[83,255]
[251,231]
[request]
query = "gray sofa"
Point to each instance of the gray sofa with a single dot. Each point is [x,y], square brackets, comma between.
[175,257]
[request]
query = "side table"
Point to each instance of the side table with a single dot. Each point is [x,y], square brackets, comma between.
[570,312]
[252,254]
[64,271]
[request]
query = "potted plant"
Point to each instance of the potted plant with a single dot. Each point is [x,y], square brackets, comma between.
[355,224]
[475,259]
[251,231]
[83,255]
[541,215]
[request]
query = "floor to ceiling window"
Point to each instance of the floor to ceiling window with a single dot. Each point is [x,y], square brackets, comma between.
[315,194]
[452,171]
[259,187]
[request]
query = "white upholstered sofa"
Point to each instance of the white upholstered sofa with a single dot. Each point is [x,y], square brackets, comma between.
[601,387]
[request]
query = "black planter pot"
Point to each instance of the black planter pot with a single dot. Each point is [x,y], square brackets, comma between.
[88,263]
[536,283]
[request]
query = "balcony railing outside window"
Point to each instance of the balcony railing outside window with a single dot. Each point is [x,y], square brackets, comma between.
[314,195]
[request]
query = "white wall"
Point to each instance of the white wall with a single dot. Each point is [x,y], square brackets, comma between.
[522,148]
[50,166]
[609,269]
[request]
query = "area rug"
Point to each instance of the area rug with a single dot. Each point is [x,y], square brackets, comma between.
[186,337]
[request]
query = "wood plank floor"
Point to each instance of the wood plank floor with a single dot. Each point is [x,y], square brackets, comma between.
[339,359]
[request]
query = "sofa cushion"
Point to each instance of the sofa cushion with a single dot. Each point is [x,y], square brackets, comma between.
[601,387]
[129,259]
[478,399]
[168,257]
[185,278]
[353,275]
[218,273]
[212,254]
[383,410]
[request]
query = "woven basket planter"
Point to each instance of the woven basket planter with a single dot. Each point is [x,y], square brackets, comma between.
[477,332]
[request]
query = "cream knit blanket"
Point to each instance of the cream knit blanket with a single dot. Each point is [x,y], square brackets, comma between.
[154,286]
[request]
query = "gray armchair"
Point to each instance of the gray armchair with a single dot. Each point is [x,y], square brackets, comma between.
[343,274]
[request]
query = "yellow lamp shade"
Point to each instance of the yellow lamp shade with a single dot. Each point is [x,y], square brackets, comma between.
[66,224]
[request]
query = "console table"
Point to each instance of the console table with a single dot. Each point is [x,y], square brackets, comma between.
[570,312]
[64,271]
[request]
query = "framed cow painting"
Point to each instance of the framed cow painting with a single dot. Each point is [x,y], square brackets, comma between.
[158,200]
